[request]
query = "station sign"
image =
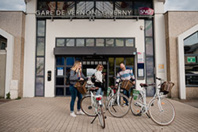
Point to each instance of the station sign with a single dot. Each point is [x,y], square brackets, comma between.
[146,11]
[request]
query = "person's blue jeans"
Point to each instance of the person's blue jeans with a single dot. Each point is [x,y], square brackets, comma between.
[127,93]
[99,92]
[74,92]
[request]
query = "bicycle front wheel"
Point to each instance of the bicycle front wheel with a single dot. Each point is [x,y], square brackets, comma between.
[136,105]
[162,111]
[86,106]
[101,117]
[118,105]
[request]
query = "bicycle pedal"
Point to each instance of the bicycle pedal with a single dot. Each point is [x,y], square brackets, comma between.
[152,104]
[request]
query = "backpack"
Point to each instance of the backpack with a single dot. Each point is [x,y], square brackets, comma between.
[93,78]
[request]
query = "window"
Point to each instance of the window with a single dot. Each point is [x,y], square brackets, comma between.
[191,59]
[90,42]
[3,43]
[40,59]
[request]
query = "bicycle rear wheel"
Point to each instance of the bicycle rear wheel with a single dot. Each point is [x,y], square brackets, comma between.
[162,111]
[101,117]
[86,106]
[117,105]
[136,103]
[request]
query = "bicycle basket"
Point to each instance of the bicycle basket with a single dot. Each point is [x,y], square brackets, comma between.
[81,87]
[166,87]
[126,84]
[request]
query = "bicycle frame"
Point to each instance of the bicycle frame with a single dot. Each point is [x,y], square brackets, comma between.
[94,102]
[144,106]
[117,93]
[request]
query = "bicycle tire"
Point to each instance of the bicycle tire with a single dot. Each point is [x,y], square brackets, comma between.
[168,111]
[135,108]
[101,117]
[86,106]
[114,107]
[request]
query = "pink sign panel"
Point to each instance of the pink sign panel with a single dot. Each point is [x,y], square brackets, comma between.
[146,11]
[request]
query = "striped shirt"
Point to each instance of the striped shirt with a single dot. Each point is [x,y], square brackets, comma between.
[125,75]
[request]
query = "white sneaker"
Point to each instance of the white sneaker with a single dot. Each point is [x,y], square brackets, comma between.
[72,114]
[80,112]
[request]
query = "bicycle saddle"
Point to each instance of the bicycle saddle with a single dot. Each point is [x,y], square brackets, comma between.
[143,85]
[94,88]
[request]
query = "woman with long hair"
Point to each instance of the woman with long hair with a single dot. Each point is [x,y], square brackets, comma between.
[75,75]
[99,79]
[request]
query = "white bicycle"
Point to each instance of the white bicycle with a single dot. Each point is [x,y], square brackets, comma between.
[117,103]
[159,109]
[92,105]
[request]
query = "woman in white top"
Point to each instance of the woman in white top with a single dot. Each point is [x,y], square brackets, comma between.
[99,77]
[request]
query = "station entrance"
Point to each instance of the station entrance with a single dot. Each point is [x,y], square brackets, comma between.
[89,63]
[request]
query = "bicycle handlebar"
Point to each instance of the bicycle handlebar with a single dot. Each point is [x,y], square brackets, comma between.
[158,78]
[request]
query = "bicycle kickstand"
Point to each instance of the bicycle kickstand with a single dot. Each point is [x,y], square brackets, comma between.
[148,115]
[94,119]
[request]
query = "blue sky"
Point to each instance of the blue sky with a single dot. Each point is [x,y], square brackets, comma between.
[179,5]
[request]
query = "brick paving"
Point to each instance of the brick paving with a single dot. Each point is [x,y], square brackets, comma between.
[52,114]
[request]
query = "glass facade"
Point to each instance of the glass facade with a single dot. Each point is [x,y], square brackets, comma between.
[40,59]
[95,42]
[191,59]
[149,56]
[101,8]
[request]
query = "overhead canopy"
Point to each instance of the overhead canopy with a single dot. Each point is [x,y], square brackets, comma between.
[95,51]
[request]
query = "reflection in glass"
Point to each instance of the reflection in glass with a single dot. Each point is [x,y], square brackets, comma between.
[149,66]
[109,42]
[111,81]
[119,42]
[111,66]
[130,42]
[69,42]
[42,5]
[60,81]
[150,90]
[68,91]
[85,6]
[40,66]
[149,46]
[40,47]
[59,60]
[191,65]
[59,91]
[80,42]
[191,59]
[192,80]
[60,42]
[67,75]
[124,5]
[149,28]
[89,42]
[70,61]
[39,86]
[51,6]
[103,6]
[138,4]
[99,42]
[191,44]
[130,61]
[41,28]
[119,60]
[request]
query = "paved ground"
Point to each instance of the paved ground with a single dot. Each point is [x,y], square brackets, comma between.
[52,114]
